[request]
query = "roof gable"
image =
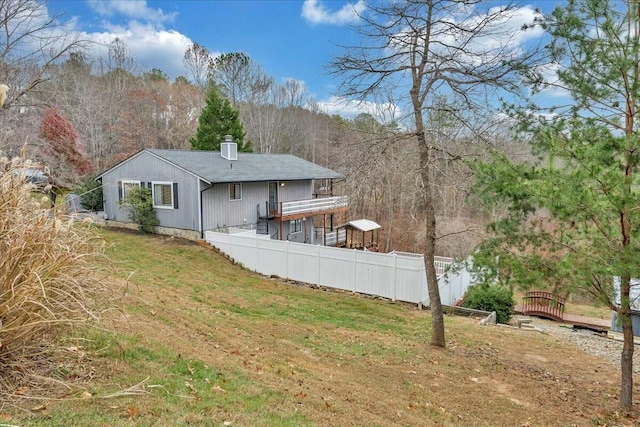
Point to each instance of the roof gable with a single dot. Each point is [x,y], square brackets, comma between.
[250,167]
[148,152]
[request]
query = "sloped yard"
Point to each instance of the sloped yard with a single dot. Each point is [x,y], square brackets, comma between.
[206,343]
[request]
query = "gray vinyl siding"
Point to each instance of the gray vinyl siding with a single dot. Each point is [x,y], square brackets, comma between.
[145,167]
[305,235]
[295,190]
[219,211]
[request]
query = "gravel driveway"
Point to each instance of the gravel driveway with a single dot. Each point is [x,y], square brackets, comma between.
[590,342]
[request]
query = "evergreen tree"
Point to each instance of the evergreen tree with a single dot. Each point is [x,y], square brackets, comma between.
[573,220]
[218,119]
[139,204]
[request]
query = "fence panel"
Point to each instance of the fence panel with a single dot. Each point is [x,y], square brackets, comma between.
[302,262]
[373,274]
[336,267]
[273,258]
[453,285]
[222,241]
[397,276]
[411,280]
[245,251]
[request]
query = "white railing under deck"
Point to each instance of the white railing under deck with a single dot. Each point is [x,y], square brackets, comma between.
[333,238]
[441,263]
[312,205]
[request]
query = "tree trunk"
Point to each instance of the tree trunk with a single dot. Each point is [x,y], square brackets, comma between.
[437,317]
[626,360]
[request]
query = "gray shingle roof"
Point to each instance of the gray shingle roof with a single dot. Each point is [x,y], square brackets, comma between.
[250,167]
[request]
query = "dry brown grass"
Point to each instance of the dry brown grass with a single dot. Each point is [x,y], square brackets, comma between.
[208,343]
[47,282]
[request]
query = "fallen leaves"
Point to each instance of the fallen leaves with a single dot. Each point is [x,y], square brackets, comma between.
[190,386]
[218,389]
[132,412]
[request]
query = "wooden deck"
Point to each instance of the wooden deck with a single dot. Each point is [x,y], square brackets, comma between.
[285,211]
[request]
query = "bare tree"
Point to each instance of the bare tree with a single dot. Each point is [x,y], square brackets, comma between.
[237,76]
[199,64]
[31,43]
[419,49]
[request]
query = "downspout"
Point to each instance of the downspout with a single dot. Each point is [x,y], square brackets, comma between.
[202,210]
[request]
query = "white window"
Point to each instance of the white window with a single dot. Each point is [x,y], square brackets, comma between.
[162,195]
[127,185]
[235,191]
[295,226]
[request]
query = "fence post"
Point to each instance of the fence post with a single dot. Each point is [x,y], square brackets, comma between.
[355,269]
[232,254]
[286,258]
[258,268]
[395,277]
[319,264]
[424,286]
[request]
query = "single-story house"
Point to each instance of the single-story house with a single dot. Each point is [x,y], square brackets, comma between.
[195,191]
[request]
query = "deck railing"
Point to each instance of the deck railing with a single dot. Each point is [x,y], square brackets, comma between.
[336,237]
[310,206]
[441,263]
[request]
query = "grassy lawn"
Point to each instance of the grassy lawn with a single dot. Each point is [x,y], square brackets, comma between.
[202,342]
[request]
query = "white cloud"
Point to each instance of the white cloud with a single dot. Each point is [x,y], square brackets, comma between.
[383,112]
[475,38]
[130,9]
[551,86]
[149,46]
[316,13]
[141,30]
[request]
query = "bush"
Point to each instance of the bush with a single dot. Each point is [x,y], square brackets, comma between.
[491,298]
[139,203]
[48,281]
[91,197]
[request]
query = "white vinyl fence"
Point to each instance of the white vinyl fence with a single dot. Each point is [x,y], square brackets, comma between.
[396,276]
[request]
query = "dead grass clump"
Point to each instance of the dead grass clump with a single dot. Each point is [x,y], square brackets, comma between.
[47,278]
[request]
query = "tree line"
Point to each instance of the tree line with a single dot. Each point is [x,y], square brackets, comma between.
[83,114]
[547,197]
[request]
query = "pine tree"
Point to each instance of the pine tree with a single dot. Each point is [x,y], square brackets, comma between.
[573,220]
[218,119]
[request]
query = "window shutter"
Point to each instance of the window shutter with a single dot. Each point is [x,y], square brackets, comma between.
[175,195]
[119,190]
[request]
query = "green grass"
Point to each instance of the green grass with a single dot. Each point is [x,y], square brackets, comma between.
[184,385]
[205,342]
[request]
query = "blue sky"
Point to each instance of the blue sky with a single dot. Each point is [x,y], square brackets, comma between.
[288,38]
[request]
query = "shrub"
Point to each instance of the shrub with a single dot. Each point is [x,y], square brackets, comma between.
[491,298]
[91,197]
[47,279]
[139,203]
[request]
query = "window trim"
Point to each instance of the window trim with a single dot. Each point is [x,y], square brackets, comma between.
[124,182]
[293,225]
[233,186]
[153,194]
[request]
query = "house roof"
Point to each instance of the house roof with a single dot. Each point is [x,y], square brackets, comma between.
[210,166]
